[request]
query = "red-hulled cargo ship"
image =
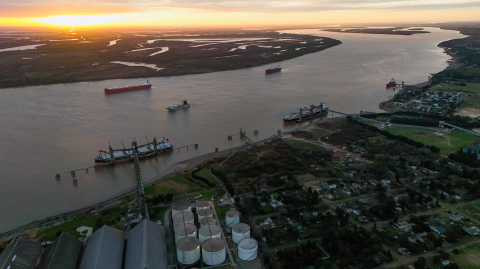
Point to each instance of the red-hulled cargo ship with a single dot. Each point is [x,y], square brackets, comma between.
[145,85]
[273,70]
[392,83]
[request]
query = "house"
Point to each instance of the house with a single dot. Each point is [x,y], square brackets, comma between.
[456,217]
[473,231]
[438,229]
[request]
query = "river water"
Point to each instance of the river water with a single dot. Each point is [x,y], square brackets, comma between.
[51,129]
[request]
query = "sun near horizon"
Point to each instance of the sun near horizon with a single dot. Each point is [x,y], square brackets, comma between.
[101,13]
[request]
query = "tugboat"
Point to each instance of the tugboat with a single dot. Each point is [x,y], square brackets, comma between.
[392,83]
[184,104]
[145,85]
[273,70]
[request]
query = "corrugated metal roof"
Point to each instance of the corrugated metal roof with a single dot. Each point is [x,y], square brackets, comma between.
[104,249]
[146,247]
[62,254]
[20,254]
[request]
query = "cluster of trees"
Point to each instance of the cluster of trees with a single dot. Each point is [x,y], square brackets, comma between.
[161,198]
[465,158]
[303,256]
[400,138]
[224,178]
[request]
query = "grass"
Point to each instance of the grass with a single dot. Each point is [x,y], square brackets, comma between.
[157,213]
[468,257]
[205,173]
[220,211]
[173,185]
[447,143]
[301,145]
[90,220]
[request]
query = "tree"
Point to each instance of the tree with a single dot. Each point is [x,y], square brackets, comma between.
[456,251]
[420,263]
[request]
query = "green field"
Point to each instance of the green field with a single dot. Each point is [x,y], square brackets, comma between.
[447,143]
[91,220]
[220,211]
[173,185]
[468,257]
[471,91]
[205,173]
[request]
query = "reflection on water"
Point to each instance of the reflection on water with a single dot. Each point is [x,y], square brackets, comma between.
[58,128]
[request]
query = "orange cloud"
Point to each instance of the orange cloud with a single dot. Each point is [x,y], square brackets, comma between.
[54,10]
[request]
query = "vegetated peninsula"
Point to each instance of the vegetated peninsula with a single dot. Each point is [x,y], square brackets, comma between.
[381,31]
[35,58]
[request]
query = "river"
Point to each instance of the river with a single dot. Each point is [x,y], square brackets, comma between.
[51,129]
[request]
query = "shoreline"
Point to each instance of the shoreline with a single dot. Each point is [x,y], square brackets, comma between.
[170,171]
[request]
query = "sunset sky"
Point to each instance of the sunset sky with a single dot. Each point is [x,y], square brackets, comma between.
[232,12]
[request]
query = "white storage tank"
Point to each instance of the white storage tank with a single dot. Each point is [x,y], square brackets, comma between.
[231,218]
[188,250]
[202,205]
[247,249]
[209,231]
[240,231]
[208,221]
[181,206]
[182,218]
[205,213]
[185,230]
[214,251]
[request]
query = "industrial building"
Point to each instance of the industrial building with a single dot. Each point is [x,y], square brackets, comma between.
[146,247]
[104,249]
[62,254]
[20,254]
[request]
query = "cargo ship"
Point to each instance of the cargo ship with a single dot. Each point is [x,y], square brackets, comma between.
[184,104]
[322,109]
[392,83]
[143,151]
[273,70]
[144,85]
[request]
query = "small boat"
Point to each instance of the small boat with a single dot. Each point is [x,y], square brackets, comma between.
[392,83]
[184,104]
[144,85]
[273,70]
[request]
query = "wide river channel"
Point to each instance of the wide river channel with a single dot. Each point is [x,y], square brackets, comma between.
[46,130]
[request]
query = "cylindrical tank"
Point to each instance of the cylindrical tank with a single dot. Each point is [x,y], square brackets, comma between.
[214,251]
[208,221]
[231,218]
[209,231]
[240,231]
[188,250]
[185,230]
[205,213]
[202,205]
[180,207]
[247,249]
[182,218]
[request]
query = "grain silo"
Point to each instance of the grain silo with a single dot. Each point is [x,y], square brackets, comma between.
[214,251]
[205,213]
[231,218]
[247,249]
[202,205]
[208,221]
[181,206]
[209,231]
[188,250]
[185,230]
[240,231]
[182,218]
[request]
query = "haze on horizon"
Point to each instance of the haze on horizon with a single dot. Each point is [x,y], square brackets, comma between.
[231,12]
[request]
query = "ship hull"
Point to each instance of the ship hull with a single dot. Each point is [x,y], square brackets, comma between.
[127,89]
[271,71]
[391,84]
